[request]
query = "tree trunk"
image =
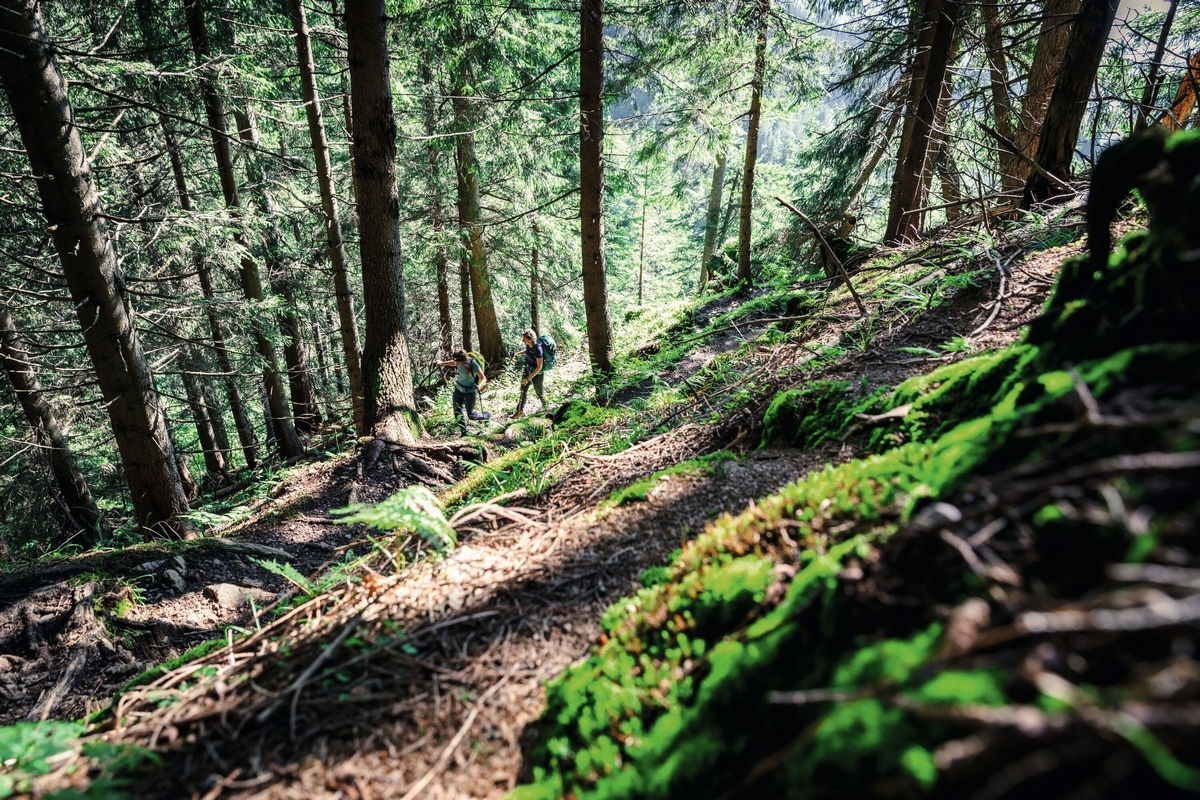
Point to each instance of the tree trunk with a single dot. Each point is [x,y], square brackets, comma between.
[642,248]
[1064,115]
[252,288]
[203,415]
[712,219]
[591,184]
[339,375]
[39,104]
[1057,20]
[464,297]
[437,215]
[82,518]
[487,326]
[1154,78]
[334,246]
[305,410]
[1002,110]
[910,183]
[389,407]
[1185,98]
[534,315]
[745,234]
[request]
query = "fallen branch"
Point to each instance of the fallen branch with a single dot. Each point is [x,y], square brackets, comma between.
[862,309]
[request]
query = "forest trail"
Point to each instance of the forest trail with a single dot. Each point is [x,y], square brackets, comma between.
[461,646]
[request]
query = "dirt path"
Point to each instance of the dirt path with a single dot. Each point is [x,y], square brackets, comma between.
[421,683]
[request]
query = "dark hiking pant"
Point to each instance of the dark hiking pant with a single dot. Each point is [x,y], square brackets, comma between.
[538,382]
[464,406]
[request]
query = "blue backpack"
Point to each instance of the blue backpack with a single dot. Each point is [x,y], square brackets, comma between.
[549,351]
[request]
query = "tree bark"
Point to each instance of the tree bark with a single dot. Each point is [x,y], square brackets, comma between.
[745,234]
[591,184]
[82,517]
[437,215]
[1154,78]
[534,312]
[1002,109]
[74,214]
[203,415]
[910,183]
[252,287]
[487,326]
[464,297]
[1057,21]
[712,219]
[347,325]
[1064,115]
[306,412]
[389,407]
[1185,98]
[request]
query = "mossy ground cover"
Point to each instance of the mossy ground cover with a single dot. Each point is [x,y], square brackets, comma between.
[803,648]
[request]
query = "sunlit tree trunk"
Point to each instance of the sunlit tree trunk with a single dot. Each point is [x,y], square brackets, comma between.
[591,183]
[712,220]
[745,234]
[1185,97]
[252,286]
[82,516]
[74,214]
[487,326]
[1064,115]
[347,324]
[389,406]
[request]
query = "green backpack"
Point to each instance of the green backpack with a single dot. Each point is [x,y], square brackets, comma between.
[549,351]
[480,359]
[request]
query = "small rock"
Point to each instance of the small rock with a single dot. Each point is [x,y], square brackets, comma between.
[181,565]
[149,566]
[175,579]
[229,595]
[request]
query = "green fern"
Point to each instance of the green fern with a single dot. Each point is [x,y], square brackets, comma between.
[289,572]
[413,509]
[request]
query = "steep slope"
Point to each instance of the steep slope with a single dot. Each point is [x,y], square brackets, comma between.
[411,675]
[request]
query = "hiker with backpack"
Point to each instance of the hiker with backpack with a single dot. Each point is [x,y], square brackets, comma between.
[468,381]
[540,355]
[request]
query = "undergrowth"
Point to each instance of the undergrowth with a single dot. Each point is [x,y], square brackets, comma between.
[798,649]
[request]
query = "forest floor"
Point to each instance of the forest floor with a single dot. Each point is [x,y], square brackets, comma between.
[442,711]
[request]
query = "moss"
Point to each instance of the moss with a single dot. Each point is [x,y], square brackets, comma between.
[821,412]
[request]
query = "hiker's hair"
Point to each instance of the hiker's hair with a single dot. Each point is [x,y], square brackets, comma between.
[461,356]
[530,334]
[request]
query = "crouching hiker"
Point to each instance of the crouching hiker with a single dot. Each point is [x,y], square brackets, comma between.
[469,379]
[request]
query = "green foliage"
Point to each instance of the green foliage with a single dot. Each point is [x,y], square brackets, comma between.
[30,750]
[412,509]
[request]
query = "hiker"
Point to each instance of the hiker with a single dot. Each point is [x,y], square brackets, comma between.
[467,383]
[535,359]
